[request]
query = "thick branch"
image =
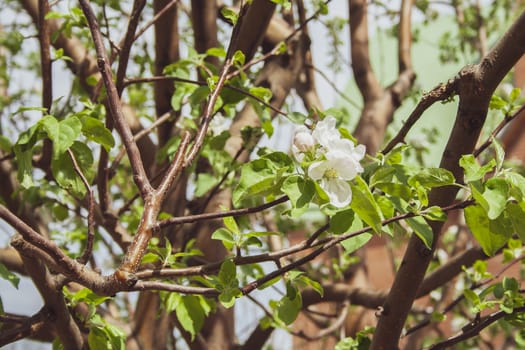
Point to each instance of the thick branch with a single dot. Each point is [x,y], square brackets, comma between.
[363,73]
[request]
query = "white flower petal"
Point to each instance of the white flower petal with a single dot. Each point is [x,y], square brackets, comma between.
[325,131]
[316,170]
[338,191]
[347,169]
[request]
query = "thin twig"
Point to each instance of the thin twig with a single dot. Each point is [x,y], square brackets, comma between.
[141,286]
[333,86]
[115,105]
[458,299]
[474,328]
[155,18]
[202,83]
[166,116]
[138,6]
[507,119]
[84,258]
[325,243]
[211,216]
[439,93]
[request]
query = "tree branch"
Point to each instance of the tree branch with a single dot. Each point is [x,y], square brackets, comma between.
[138,6]
[476,86]
[115,106]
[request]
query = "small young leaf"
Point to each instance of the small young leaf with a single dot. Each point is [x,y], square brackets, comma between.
[514,94]
[300,192]
[432,177]
[496,195]
[229,14]
[96,131]
[64,171]
[62,133]
[480,225]
[473,171]
[434,213]
[364,204]
[224,235]
[341,221]
[288,308]
[9,276]
[516,213]
[190,313]
[422,230]
[238,58]
[24,160]
[497,102]
[216,52]
[262,176]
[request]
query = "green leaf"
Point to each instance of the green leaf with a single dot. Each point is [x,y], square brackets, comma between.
[382,175]
[229,14]
[354,243]
[9,276]
[288,308]
[96,131]
[98,339]
[471,296]
[477,189]
[514,94]
[364,204]
[227,273]
[500,154]
[64,171]
[25,166]
[432,177]
[286,4]
[204,183]
[496,194]
[517,182]
[191,310]
[434,213]
[262,176]
[62,133]
[472,169]
[300,279]
[104,336]
[228,284]
[395,190]
[516,213]
[263,93]
[5,144]
[300,191]
[231,224]
[422,230]
[239,58]
[486,232]
[216,52]
[342,221]
[224,235]
[86,295]
[497,102]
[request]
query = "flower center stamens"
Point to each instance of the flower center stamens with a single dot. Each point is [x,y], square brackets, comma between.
[331,174]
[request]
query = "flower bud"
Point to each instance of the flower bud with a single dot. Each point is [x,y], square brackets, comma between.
[303,139]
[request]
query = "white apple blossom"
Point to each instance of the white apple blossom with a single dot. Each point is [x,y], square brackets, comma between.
[325,132]
[341,164]
[335,160]
[218,124]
